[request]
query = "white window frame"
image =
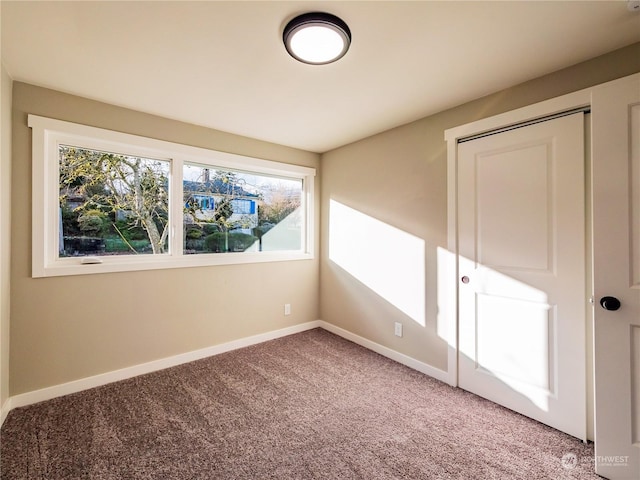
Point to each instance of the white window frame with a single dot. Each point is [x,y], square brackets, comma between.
[48,134]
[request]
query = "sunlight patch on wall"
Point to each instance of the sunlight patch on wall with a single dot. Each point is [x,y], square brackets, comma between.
[446,279]
[387,260]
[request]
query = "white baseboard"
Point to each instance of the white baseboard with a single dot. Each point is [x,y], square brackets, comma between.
[410,362]
[75,386]
[48,393]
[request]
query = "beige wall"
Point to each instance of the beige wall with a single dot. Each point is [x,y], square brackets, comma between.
[5,229]
[399,177]
[68,328]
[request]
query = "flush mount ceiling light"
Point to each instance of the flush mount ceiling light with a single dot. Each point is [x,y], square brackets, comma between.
[317,38]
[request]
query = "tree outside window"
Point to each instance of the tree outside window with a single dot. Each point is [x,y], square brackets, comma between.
[112,204]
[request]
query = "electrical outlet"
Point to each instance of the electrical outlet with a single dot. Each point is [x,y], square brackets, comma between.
[287,309]
[398,329]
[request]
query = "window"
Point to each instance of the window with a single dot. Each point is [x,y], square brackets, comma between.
[105,202]
[111,204]
[235,211]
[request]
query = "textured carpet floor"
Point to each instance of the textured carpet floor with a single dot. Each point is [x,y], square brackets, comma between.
[307,406]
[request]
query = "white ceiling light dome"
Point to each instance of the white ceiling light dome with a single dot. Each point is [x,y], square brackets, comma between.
[317,38]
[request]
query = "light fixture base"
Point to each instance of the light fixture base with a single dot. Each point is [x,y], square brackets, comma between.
[317,38]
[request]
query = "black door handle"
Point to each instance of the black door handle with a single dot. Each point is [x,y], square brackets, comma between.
[610,303]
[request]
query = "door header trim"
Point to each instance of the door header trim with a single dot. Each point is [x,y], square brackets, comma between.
[585,109]
[531,113]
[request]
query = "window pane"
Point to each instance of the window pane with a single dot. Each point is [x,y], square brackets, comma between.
[231,211]
[112,204]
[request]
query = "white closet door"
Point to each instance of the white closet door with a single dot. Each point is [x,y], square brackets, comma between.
[522,305]
[616,241]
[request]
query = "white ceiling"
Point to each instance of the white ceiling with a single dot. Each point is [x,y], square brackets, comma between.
[223,64]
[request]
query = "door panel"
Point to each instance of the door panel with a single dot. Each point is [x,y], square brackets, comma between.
[521,227]
[634,160]
[525,347]
[616,272]
[526,218]
[635,375]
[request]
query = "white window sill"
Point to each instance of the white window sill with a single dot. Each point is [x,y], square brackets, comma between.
[113,264]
